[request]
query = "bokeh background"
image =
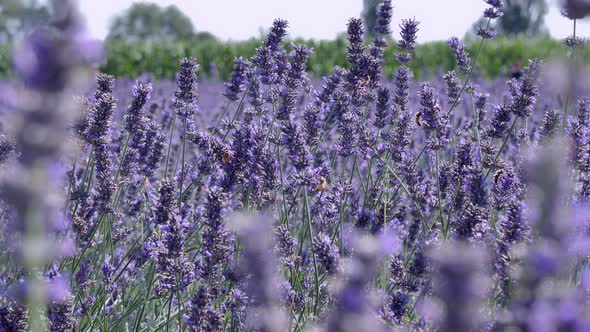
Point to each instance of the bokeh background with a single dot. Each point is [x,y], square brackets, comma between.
[138,37]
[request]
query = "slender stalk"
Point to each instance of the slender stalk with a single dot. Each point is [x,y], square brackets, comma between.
[315,266]
[182,166]
[439,196]
[503,145]
[565,107]
[170,144]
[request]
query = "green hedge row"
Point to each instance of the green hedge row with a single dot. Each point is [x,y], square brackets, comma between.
[216,58]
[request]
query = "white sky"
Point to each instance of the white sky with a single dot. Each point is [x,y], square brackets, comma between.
[319,19]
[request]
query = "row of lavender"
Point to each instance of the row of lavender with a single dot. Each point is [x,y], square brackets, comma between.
[348,205]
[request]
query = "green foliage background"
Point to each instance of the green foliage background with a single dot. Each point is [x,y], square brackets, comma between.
[124,59]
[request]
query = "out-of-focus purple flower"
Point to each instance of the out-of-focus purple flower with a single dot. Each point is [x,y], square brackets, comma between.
[573,42]
[59,311]
[353,310]
[492,13]
[460,283]
[259,264]
[575,9]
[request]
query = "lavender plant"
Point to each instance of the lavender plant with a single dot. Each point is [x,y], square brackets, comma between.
[276,202]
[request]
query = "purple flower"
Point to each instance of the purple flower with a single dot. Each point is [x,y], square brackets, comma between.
[330,85]
[461,56]
[524,92]
[453,87]
[492,13]
[403,76]
[575,9]
[433,119]
[573,42]
[217,246]
[277,33]
[238,81]
[460,285]
[185,97]
[6,147]
[201,315]
[384,12]
[382,109]
[409,29]
[293,139]
[498,4]
[14,317]
[326,253]
[175,271]
[486,33]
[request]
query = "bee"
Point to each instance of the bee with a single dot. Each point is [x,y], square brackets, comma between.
[322,184]
[365,82]
[418,119]
[226,157]
[498,175]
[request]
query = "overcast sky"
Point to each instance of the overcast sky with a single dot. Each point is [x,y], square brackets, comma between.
[319,19]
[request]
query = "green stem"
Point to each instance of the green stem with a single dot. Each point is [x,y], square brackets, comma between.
[182,166]
[170,144]
[565,108]
[503,145]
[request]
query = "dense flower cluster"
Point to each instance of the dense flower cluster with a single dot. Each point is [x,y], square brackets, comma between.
[276,202]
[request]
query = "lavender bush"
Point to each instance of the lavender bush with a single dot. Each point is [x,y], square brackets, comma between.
[278,203]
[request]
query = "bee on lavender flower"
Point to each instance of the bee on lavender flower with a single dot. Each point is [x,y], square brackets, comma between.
[365,82]
[418,119]
[322,184]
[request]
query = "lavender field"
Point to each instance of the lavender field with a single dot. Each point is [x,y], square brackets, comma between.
[279,202]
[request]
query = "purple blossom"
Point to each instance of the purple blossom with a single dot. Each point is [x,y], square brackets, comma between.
[461,56]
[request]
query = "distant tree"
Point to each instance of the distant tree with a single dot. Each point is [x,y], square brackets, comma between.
[148,21]
[370,16]
[18,17]
[521,17]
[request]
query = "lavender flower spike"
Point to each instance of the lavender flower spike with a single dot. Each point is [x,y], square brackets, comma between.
[461,56]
